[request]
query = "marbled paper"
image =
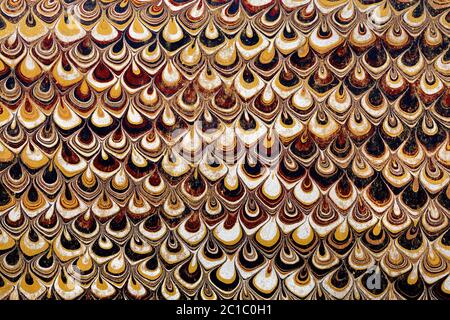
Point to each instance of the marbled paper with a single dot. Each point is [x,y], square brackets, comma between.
[224,149]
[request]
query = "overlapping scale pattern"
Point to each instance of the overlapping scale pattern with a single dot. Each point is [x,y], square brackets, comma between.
[224,149]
